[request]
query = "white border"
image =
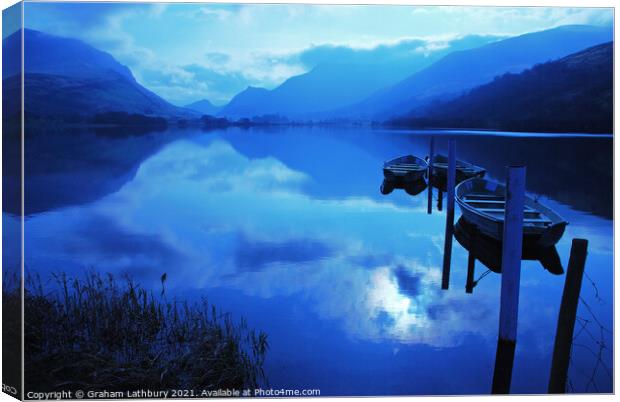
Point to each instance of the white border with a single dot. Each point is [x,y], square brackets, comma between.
[536,3]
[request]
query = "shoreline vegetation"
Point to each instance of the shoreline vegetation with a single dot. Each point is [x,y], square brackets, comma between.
[136,124]
[102,333]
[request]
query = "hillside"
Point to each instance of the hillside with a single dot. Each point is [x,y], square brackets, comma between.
[463,70]
[66,78]
[572,94]
[204,106]
[340,76]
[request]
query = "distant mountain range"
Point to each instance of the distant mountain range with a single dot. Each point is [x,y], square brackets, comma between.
[342,76]
[463,70]
[204,107]
[69,80]
[574,93]
[66,78]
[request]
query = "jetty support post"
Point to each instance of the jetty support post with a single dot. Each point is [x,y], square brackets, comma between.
[512,242]
[471,267]
[567,316]
[447,249]
[439,200]
[430,176]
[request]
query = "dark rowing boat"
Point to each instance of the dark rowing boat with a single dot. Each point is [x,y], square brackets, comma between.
[464,170]
[405,172]
[483,202]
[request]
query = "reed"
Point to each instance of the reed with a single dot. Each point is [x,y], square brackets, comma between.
[101,333]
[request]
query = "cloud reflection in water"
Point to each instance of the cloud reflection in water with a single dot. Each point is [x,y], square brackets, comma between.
[211,217]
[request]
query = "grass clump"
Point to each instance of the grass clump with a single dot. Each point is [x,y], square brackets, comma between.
[99,333]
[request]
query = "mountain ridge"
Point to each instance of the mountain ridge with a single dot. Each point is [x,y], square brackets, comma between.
[204,106]
[466,69]
[570,94]
[67,77]
[335,82]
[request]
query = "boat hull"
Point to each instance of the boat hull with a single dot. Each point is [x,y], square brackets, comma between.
[493,226]
[411,187]
[464,171]
[410,177]
[488,250]
[406,172]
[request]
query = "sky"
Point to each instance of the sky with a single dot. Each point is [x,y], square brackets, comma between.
[189,52]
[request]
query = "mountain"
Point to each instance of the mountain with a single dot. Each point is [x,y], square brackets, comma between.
[340,76]
[462,70]
[67,77]
[246,103]
[204,107]
[572,94]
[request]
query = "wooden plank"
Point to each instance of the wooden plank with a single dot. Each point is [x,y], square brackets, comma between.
[407,166]
[458,166]
[405,169]
[485,195]
[526,209]
[535,220]
[485,201]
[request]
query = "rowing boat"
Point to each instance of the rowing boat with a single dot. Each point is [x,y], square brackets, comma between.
[404,172]
[483,203]
[464,170]
[407,167]
[488,250]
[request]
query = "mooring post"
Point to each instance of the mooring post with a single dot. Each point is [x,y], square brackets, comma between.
[430,175]
[567,316]
[512,241]
[447,249]
[471,266]
[440,200]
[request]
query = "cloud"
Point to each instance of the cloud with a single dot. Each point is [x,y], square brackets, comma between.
[527,19]
[193,81]
[247,225]
[219,13]
[254,254]
[262,45]
[398,52]
[217,58]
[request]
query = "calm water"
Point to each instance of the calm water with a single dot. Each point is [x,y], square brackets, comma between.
[287,228]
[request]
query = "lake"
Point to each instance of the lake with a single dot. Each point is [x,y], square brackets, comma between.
[287,228]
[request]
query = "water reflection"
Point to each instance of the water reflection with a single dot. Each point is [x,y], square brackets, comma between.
[288,229]
[246,223]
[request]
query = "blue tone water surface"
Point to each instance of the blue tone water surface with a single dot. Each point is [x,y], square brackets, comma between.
[287,228]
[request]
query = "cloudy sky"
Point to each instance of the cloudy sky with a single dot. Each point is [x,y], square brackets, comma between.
[187,52]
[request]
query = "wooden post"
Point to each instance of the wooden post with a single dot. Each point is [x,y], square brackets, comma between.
[447,249]
[430,176]
[471,266]
[440,200]
[511,274]
[566,318]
